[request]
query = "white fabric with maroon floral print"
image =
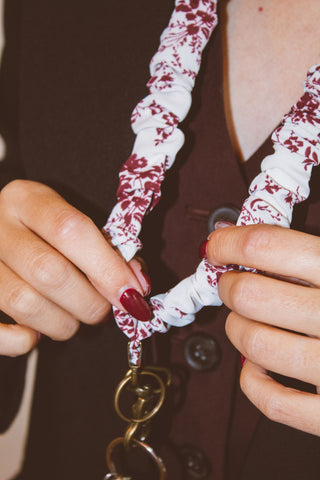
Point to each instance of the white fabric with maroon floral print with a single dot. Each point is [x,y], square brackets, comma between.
[283,182]
[154,120]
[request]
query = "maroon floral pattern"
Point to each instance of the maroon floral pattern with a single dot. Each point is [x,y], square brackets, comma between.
[138,192]
[173,71]
[154,120]
[268,203]
[300,130]
[137,331]
[191,24]
[299,134]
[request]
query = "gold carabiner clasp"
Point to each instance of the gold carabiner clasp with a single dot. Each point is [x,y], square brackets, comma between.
[141,391]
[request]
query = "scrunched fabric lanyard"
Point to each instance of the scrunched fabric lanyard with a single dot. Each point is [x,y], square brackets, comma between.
[283,181]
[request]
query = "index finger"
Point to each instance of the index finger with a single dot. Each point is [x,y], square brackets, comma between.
[76,236]
[269,248]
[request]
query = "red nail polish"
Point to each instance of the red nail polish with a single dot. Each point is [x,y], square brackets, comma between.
[242,359]
[148,282]
[203,249]
[136,305]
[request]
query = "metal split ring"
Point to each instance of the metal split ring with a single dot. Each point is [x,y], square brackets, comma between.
[136,443]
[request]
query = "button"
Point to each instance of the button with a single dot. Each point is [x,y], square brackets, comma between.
[228,213]
[195,462]
[202,352]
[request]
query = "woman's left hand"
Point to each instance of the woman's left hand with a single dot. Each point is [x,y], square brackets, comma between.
[274,322]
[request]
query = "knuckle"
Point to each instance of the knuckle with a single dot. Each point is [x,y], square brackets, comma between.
[13,192]
[50,269]
[22,300]
[245,382]
[229,325]
[25,341]
[97,313]
[69,223]
[254,343]
[270,403]
[255,240]
[272,406]
[114,276]
[19,192]
[13,188]
[66,330]
[18,187]
[239,292]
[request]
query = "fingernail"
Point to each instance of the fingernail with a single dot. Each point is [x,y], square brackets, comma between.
[135,304]
[203,249]
[222,224]
[242,360]
[147,289]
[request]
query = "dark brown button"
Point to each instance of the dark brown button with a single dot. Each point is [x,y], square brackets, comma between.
[195,463]
[227,213]
[202,352]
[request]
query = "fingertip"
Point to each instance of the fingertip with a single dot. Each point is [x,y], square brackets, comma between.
[134,303]
[146,281]
[138,267]
[16,340]
[222,244]
[214,247]
[203,249]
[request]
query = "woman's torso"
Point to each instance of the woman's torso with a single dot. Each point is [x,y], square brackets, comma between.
[67,137]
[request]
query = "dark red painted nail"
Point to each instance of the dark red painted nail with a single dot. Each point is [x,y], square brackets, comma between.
[136,305]
[203,249]
[242,359]
[148,282]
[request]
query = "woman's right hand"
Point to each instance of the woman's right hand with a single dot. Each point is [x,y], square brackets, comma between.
[57,269]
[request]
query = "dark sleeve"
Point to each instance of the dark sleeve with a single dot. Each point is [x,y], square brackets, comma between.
[12,375]
[12,370]
[10,164]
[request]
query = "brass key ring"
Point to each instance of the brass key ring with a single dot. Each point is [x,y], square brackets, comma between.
[124,382]
[158,461]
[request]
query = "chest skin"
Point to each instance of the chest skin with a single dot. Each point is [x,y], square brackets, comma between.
[268,48]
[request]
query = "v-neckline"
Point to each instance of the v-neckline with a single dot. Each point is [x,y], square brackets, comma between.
[250,167]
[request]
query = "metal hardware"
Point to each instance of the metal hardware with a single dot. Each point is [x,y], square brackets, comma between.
[149,390]
[135,444]
[144,393]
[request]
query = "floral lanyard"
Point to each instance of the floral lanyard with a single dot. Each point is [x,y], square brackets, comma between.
[283,181]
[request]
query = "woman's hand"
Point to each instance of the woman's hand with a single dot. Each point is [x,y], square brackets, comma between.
[263,309]
[56,269]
